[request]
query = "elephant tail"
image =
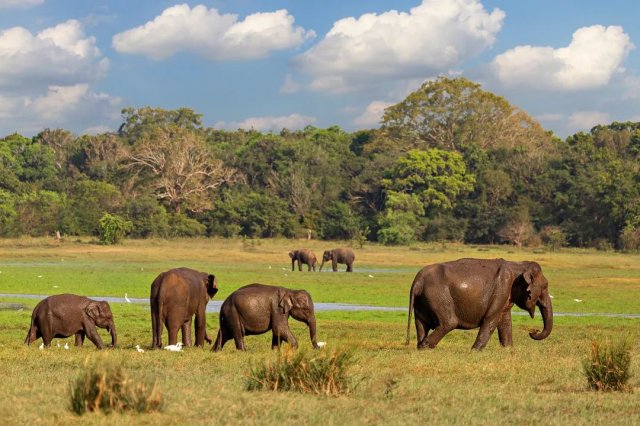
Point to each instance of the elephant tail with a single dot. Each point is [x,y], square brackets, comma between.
[411,299]
[31,334]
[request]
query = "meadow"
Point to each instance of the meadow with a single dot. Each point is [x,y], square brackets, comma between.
[531,383]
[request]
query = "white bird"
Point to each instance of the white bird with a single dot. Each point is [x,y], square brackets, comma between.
[55,286]
[174,348]
[551,296]
[284,269]
[41,347]
[577,300]
[39,276]
[269,266]
[58,343]
[126,298]
[139,349]
[66,346]
[370,276]
[322,344]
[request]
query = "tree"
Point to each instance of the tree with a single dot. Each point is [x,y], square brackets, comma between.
[179,168]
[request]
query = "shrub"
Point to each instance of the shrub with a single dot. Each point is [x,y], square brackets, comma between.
[320,373]
[553,237]
[629,239]
[608,367]
[113,228]
[106,387]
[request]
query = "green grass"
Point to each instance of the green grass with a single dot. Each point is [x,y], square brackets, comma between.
[532,382]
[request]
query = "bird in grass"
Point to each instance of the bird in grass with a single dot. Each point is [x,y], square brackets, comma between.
[577,300]
[174,348]
[370,276]
[66,345]
[139,349]
[58,344]
[322,344]
[41,347]
[127,298]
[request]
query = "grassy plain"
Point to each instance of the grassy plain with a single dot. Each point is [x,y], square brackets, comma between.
[531,383]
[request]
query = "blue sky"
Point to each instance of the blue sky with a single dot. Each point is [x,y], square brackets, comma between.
[271,64]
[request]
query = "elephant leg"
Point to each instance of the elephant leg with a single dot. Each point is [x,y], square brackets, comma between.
[299,266]
[421,333]
[275,341]
[334,265]
[283,334]
[223,337]
[47,333]
[92,334]
[443,327]
[504,329]
[309,267]
[238,338]
[486,329]
[80,338]
[186,333]
[172,327]
[349,267]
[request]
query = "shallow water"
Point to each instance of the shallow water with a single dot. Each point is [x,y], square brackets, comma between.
[214,306]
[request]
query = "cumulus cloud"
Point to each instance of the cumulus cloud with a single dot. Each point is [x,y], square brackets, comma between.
[594,55]
[72,107]
[61,55]
[431,38]
[290,122]
[585,120]
[8,4]
[372,114]
[208,33]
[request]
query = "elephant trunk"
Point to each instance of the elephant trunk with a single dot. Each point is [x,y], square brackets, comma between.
[114,336]
[546,310]
[312,332]
[321,265]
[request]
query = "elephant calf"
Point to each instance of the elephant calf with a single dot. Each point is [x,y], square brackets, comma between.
[340,255]
[64,315]
[258,308]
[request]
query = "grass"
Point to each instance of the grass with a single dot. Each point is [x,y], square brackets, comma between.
[608,367]
[526,383]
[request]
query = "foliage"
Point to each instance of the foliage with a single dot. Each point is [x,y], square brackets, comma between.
[106,387]
[113,228]
[322,373]
[608,367]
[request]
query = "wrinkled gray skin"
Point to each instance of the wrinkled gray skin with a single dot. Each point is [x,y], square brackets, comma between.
[339,255]
[65,315]
[258,308]
[472,293]
[176,296]
[305,256]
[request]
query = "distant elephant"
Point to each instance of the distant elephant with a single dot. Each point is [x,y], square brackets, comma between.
[305,256]
[339,255]
[176,295]
[258,308]
[65,315]
[471,293]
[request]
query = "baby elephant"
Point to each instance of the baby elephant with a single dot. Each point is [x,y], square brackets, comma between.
[305,256]
[340,255]
[258,308]
[64,315]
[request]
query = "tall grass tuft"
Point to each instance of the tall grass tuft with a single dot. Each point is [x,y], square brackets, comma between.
[608,367]
[106,387]
[318,373]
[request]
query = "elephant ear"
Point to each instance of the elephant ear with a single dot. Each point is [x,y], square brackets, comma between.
[93,310]
[285,303]
[212,285]
[292,254]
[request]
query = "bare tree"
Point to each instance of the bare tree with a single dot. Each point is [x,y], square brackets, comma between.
[180,168]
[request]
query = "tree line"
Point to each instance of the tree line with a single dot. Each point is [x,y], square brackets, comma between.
[449,162]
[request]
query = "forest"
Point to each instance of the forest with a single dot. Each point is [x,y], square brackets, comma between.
[451,162]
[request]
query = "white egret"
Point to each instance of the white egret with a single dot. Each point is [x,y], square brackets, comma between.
[41,347]
[66,345]
[139,349]
[127,298]
[322,344]
[174,348]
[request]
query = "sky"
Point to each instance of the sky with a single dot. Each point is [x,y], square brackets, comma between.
[273,64]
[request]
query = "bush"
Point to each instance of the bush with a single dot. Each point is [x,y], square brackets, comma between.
[629,239]
[608,367]
[320,374]
[113,228]
[180,225]
[106,387]
[553,237]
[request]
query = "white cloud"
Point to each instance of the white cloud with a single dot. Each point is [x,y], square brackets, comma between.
[208,33]
[60,55]
[372,114]
[594,55]
[429,39]
[585,120]
[7,4]
[290,122]
[71,107]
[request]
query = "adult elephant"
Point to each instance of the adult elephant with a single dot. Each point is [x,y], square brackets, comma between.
[471,293]
[176,296]
[305,256]
[339,255]
[65,315]
[258,308]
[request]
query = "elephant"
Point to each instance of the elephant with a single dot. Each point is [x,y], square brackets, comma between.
[339,255]
[64,315]
[258,308]
[176,295]
[471,293]
[305,256]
